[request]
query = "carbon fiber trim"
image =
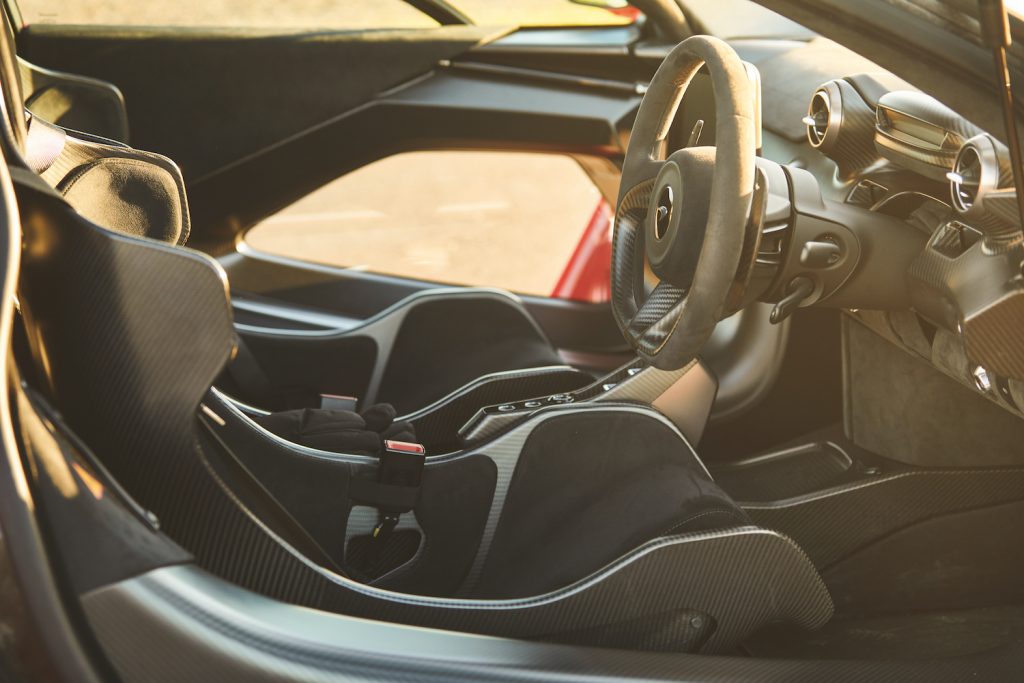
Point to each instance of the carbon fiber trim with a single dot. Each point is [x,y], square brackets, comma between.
[833,523]
[627,246]
[504,451]
[647,385]
[708,573]
[945,347]
[986,289]
[147,623]
[437,425]
[1002,204]
[929,159]
[634,382]
[993,335]
[849,136]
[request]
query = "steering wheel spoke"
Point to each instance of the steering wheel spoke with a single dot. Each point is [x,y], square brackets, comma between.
[661,301]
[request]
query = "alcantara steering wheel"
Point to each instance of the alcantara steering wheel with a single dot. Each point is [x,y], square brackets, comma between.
[688,214]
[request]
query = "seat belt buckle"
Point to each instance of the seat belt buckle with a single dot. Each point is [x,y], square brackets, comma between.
[336,402]
[400,464]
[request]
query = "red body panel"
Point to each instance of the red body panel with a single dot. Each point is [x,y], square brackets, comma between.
[586,275]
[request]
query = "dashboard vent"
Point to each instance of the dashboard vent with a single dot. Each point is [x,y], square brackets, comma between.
[965,178]
[975,175]
[818,115]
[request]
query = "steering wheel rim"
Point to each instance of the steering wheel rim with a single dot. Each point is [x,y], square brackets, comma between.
[670,326]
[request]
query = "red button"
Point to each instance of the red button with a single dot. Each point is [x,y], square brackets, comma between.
[405,447]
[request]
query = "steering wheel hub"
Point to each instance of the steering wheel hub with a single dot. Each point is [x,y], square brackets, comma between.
[678,213]
[663,213]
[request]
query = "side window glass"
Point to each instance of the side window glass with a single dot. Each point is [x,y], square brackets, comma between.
[529,222]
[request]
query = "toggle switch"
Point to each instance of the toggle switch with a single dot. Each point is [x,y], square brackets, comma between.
[799,289]
[820,254]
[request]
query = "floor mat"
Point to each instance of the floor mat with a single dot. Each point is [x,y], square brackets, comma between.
[933,635]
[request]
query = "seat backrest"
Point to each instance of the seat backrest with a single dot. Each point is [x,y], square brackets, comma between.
[130,333]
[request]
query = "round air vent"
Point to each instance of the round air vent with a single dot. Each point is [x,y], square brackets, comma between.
[975,173]
[965,178]
[818,116]
[841,125]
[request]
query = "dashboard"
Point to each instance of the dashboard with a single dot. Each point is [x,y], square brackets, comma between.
[904,154]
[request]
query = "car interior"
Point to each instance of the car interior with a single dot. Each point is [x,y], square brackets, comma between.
[791,436]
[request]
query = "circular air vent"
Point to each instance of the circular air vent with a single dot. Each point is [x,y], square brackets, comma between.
[841,125]
[965,178]
[975,172]
[818,117]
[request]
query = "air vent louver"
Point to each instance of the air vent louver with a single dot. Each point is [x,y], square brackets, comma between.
[965,179]
[818,115]
[975,175]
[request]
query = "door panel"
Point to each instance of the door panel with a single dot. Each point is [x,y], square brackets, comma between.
[443,110]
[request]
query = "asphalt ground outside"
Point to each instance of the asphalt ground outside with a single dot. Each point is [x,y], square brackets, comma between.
[501,219]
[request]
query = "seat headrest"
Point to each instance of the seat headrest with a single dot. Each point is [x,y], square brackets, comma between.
[114,186]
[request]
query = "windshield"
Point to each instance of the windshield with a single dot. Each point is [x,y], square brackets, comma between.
[734,19]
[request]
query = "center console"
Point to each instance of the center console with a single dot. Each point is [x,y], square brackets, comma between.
[685,396]
[495,403]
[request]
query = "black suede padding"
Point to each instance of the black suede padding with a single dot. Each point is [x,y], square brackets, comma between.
[589,488]
[903,408]
[445,343]
[338,431]
[131,196]
[455,499]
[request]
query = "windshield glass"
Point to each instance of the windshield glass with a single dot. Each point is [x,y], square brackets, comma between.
[547,12]
[733,19]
